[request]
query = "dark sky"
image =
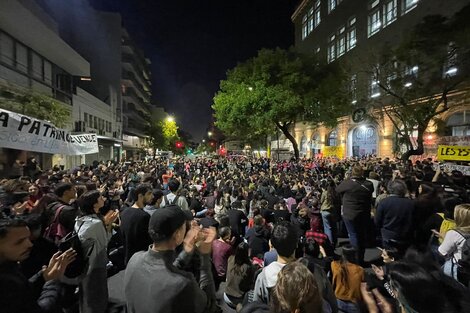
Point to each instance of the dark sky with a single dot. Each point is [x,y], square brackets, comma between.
[192,43]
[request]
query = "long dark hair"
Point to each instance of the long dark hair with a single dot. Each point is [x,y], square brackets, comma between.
[331,194]
[425,291]
[87,202]
[348,255]
[241,257]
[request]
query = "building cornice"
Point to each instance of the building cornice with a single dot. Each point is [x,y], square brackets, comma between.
[299,9]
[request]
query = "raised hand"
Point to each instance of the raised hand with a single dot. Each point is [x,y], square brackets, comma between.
[58,264]
[111,217]
[205,246]
[191,237]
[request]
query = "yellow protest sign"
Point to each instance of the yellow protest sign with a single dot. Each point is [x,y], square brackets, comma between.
[454,153]
[333,151]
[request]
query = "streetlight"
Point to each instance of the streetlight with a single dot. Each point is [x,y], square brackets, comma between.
[209,134]
[170,119]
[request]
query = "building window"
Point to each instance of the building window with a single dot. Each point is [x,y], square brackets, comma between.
[450,68]
[331,49]
[95,122]
[311,20]
[316,13]
[304,27]
[374,22]
[48,72]
[351,34]
[90,120]
[36,66]
[21,58]
[458,124]
[409,5]
[332,5]
[374,89]
[390,11]
[7,55]
[85,117]
[353,88]
[341,42]
[333,138]
[411,71]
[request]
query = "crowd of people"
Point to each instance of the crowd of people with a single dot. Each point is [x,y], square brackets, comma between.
[237,234]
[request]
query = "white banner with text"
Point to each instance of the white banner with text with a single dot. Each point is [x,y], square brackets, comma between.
[23,132]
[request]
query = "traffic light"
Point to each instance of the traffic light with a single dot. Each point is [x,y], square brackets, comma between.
[179,144]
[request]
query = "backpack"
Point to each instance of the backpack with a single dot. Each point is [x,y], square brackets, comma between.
[55,231]
[447,224]
[463,268]
[79,265]
[167,202]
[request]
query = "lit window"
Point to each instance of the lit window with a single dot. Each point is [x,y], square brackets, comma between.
[333,138]
[351,38]
[374,89]
[450,67]
[411,70]
[341,45]
[353,88]
[331,5]
[373,4]
[458,124]
[331,49]
[316,14]
[390,12]
[351,34]
[310,20]
[409,5]
[304,27]
[374,24]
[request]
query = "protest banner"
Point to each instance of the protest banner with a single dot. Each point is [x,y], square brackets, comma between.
[333,151]
[453,153]
[21,132]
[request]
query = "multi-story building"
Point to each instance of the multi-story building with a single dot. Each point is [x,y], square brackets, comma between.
[97,99]
[34,57]
[348,30]
[136,95]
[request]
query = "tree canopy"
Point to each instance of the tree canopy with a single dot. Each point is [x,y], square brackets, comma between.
[274,90]
[416,80]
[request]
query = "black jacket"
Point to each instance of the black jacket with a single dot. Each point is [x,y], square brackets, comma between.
[356,196]
[20,295]
[134,230]
[394,218]
[258,241]
[238,222]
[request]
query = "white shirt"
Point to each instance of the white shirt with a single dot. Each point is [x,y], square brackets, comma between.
[452,245]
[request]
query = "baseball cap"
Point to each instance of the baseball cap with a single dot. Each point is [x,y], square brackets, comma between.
[165,221]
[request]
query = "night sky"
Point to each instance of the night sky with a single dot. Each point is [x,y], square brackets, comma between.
[192,43]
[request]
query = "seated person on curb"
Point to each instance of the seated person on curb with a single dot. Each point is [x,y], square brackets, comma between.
[153,283]
[18,294]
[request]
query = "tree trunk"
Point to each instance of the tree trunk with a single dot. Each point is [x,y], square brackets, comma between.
[285,131]
[419,149]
